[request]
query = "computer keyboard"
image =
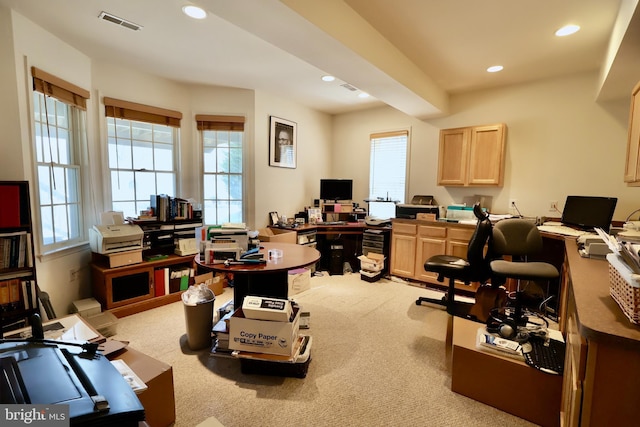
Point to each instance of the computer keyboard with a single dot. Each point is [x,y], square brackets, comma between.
[561,229]
[334,223]
[544,354]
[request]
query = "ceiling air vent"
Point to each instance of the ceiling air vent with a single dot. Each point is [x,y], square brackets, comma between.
[119,21]
[349,87]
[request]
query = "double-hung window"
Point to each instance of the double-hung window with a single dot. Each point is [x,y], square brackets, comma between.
[59,120]
[387,171]
[142,146]
[223,170]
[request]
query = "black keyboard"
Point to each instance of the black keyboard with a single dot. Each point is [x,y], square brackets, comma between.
[545,355]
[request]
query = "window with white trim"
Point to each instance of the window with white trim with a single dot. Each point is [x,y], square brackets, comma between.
[142,154]
[223,170]
[387,171]
[59,131]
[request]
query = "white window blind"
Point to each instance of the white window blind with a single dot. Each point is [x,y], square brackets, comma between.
[388,165]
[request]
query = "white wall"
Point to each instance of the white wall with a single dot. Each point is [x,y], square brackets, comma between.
[559,142]
[288,191]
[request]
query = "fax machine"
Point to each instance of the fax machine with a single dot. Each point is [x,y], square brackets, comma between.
[107,239]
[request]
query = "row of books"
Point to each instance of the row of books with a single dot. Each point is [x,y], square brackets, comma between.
[15,250]
[168,280]
[167,208]
[16,294]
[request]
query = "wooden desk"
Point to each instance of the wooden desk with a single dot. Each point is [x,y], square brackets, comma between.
[349,235]
[269,279]
[602,363]
[502,382]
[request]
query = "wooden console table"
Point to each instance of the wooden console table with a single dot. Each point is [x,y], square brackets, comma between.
[131,288]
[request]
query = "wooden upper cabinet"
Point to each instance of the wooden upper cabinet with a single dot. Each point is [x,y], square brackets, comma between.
[632,167]
[472,156]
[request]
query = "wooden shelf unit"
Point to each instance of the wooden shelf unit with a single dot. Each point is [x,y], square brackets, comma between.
[130,289]
[18,285]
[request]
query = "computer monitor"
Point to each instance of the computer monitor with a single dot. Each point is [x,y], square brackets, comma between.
[336,189]
[588,212]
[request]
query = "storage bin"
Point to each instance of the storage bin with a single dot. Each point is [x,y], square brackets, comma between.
[624,287]
[105,323]
[370,276]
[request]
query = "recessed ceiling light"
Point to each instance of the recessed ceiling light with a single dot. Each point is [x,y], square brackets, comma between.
[495,68]
[567,30]
[328,78]
[194,12]
[363,95]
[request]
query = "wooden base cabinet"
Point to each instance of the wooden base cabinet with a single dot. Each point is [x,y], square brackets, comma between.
[414,241]
[602,360]
[132,288]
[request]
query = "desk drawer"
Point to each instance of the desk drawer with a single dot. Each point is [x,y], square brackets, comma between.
[430,231]
[404,228]
[460,233]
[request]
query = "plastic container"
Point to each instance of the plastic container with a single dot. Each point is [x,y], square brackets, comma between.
[199,321]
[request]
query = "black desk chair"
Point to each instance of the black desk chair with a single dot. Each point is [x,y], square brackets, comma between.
[475,268]
[520,239]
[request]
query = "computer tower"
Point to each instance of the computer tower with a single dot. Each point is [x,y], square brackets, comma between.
[336,258]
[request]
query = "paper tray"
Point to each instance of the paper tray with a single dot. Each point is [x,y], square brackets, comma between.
[277,365]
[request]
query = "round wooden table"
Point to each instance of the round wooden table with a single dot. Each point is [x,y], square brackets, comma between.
[269,279]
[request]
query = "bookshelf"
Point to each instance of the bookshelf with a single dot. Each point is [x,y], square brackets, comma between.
[18,285]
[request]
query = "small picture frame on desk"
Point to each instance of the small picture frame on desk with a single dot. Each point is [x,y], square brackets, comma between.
[274,217]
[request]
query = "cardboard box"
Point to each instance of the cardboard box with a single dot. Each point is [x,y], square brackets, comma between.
[158,399]
[299,280]
[263,336]
[86,307]
[372,262]
[277,235]
[215,283]
[263,308]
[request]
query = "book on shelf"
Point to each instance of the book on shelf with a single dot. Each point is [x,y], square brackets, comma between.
[15,250]
[10,212]
[158,282]
[167,208]
[29,294]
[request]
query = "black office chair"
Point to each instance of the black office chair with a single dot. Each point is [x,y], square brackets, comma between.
[475,268]
[520,239]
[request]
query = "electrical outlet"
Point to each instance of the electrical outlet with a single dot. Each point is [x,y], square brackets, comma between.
[513,206]
[553,206]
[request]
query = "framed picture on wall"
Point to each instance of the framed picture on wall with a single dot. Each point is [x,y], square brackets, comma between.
[282,143]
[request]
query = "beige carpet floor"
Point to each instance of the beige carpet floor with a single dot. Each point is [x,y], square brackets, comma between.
[378,359]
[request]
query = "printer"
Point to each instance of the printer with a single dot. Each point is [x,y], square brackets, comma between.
[107,239]
[419,204]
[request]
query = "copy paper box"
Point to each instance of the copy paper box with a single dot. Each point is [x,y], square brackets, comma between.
[277,235]
[263,336]
[372,262]
[263,308]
